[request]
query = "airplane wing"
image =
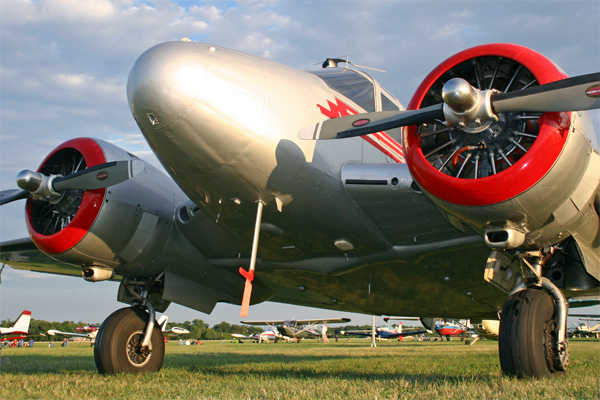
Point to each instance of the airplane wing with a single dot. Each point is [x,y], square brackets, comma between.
[240,336]
[410,333]
[176,330]
[359,333]
[589,316]
[299,321]
[54,332]
[261,323]
[24,254]
[322,321]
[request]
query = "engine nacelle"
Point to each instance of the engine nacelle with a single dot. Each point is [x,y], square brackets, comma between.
[102,230]
[528,180]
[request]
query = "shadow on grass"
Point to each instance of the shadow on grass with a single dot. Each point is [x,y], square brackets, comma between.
[35,364]
[306,367]
[270,366]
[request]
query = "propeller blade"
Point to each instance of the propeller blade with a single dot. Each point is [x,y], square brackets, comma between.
[365,123]
[99,176]
[572,94]
[7,196]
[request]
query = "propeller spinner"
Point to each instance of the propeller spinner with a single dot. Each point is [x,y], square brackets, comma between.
[52,188]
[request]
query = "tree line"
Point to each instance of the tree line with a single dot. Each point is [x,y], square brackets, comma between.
[198,329]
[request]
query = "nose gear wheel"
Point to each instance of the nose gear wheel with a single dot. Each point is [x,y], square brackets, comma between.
[119,344]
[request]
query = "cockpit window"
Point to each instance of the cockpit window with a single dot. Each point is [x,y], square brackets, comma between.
[351,84]
[387,104]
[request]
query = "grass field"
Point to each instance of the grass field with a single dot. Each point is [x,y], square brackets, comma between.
[309,370]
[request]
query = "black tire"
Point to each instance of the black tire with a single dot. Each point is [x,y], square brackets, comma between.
[526,334]
[117,349]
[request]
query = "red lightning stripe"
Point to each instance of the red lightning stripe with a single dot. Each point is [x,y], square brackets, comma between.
[390,143]
[380,140]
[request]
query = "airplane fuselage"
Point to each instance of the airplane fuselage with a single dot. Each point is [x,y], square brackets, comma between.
[224,125]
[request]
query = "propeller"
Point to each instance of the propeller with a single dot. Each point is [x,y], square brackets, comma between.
[52,188]
[472,109]
[7,196]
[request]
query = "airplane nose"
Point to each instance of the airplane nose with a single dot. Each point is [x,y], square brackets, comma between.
[165,82]
[196,96]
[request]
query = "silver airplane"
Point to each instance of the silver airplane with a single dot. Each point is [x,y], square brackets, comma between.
[320,189]
[299,329]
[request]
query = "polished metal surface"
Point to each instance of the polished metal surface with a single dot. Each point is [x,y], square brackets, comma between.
[345,225]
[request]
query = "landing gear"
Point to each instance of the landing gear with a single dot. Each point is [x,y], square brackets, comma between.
[533,322]
[529,342]
[119,344]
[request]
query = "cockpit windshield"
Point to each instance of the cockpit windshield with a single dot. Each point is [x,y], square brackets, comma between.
[351,84]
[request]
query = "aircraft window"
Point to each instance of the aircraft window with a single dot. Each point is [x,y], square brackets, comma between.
[387,104]
[351,84]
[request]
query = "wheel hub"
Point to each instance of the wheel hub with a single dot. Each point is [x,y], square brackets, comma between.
[137,354]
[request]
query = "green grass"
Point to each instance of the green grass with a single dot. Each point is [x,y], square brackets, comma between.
[309,370]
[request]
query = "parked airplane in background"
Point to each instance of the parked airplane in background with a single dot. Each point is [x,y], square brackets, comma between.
[88,331]
[452,328]
[19,330]
[584,328]
[484,203]
[91,331]
[386,332]
[299,329]
[267,336]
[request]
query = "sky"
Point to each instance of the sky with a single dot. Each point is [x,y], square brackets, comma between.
[64,67]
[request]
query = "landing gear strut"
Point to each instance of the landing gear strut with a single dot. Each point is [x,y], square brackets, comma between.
[532,338]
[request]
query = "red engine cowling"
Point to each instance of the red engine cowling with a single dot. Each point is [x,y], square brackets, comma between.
[519,182]
[124,224]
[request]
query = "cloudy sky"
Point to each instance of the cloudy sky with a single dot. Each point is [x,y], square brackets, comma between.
[64,66]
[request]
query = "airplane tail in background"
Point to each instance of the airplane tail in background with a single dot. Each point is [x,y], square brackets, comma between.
[176,330]
[162,322]
[20,329]
[22,324]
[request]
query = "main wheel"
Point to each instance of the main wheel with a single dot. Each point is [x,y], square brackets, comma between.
[527,335]
[118,344]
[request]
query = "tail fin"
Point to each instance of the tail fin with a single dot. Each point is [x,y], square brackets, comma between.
[22,324]
[162,322]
